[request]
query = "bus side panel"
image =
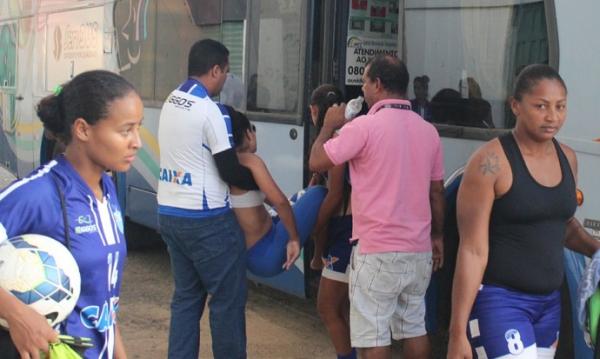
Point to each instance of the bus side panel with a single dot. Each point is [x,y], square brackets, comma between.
[8,71]
[28,127]
[142,179]
[457,152]
[579,66]
[282,148]
[18,133]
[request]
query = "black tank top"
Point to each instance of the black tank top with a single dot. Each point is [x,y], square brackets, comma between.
[527,227]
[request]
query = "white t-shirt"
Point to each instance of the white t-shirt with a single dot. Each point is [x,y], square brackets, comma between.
[191,130]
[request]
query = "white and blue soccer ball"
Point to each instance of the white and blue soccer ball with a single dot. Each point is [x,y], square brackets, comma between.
[42,273]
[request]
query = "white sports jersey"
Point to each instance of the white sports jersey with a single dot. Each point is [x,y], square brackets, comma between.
[191,130]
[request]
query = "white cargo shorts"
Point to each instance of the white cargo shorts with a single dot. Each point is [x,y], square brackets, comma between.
[387,296]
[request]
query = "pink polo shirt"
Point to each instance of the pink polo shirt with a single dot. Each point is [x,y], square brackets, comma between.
[394,155]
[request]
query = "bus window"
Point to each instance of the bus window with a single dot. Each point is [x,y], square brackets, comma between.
[8,72]
[154,39]
[135,24]
[8,54]
[471,56]
[274,56]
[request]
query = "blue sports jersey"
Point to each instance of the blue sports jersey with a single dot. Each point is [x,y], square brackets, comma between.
[32,205]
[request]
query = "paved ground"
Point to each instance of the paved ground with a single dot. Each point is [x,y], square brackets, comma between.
[278,326]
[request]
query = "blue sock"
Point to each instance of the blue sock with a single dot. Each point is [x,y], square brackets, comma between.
[352,355]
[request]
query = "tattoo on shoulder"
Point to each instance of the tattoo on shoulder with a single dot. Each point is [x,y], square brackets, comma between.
[489,164]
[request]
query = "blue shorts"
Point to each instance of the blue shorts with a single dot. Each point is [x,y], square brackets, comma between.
[266,257]
[508,323]
[339,249]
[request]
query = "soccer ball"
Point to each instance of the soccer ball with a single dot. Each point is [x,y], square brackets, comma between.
[42,273]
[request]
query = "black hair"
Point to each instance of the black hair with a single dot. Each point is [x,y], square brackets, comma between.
[447,107]
[529,77]
[87,96]
[422,79]
[324,97]
[392,73]
[204,55]
[239,125]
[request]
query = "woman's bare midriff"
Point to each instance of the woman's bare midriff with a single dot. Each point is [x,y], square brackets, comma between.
[255,222]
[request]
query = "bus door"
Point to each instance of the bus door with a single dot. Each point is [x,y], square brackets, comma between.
[347,35]
[8,76]
[274,76]
[20,129]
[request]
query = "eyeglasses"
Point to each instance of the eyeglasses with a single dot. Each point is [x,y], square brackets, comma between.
[253,128]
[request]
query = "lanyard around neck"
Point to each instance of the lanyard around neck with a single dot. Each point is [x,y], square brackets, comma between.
[397,106]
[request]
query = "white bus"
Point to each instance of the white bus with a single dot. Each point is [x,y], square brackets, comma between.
[470,50]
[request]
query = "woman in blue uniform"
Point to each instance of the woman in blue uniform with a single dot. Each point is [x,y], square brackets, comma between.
[97,115]
[332,240]
[273,241]
[515,214]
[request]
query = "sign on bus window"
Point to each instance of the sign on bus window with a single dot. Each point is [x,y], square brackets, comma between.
[74,44]
[372,30]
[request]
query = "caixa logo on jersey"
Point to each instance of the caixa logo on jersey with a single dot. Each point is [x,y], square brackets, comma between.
[101,319]
[174,176]
[181,102]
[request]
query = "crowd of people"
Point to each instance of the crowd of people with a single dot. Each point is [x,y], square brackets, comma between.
[374,206]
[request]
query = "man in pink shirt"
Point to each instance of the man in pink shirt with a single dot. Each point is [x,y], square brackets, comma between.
[396,169]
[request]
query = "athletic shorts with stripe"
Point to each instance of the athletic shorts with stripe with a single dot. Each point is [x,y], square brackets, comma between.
[339,249]
[387,296]
[509,324]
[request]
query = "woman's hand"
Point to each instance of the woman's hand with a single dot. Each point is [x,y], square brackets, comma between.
[334,117]
[30,332]
[437,252]
[459,348]
[293,251]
